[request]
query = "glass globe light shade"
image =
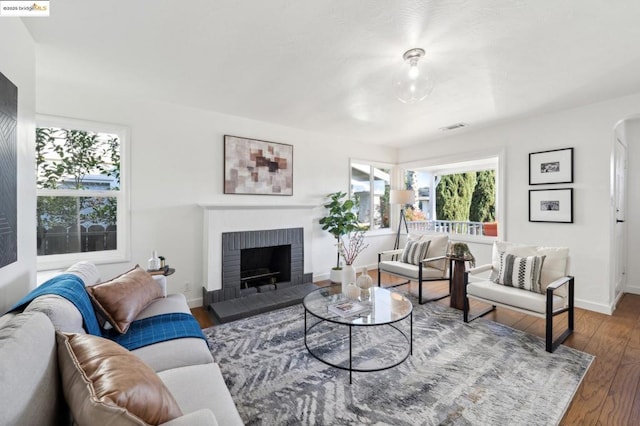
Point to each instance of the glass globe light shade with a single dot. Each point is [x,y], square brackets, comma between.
[412,84]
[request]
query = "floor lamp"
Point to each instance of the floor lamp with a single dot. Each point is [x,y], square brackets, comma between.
[402,197]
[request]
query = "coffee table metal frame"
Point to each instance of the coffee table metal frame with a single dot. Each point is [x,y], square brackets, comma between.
[343,321]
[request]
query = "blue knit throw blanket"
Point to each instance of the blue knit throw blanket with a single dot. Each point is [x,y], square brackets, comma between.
[159,328]
[141,333]
[71,288]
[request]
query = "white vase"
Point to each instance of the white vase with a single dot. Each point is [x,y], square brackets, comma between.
[154,262]
[348,277]
[353,292]
[364,280]
[336,276]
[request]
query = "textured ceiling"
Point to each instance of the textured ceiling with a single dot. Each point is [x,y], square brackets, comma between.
[327,65]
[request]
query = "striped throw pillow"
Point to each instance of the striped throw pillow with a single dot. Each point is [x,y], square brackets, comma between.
[519,272]
[415,251]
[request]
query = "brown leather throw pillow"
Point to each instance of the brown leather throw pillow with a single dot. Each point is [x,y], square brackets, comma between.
[104,383]
[124,297]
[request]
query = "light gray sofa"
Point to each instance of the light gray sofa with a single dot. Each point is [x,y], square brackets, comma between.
[31,389]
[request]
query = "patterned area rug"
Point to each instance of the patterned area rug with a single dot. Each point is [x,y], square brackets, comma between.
[480,373]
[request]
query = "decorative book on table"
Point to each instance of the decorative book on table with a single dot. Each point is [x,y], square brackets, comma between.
[347,308]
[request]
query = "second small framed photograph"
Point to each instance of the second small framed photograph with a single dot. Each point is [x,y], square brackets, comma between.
[551,205]
[555,166]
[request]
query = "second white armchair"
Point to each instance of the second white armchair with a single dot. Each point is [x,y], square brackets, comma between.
[416,263]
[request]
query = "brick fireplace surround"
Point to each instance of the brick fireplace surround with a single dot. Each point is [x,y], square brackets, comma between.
[235,298]
[232,302]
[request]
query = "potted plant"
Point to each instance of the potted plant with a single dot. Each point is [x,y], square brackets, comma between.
[340,220]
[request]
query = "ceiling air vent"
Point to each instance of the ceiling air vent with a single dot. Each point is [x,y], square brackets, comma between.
[453,127]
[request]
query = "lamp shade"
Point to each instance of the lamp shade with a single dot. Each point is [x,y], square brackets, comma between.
[402,196]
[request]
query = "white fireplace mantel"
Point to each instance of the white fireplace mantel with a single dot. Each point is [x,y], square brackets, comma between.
[255,206]
[234,217]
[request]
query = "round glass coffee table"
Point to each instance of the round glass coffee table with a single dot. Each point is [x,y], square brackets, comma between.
[370,338]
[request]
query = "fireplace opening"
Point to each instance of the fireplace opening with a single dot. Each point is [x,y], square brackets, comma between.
[260,261]
[264,268]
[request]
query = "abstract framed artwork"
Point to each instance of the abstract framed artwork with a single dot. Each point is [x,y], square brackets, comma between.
[8,172]
[257,167]
[551,205]
[548,167]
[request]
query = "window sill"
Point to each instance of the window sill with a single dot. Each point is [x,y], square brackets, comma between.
[380,232]
[463,238]
[477,239]
[63,261]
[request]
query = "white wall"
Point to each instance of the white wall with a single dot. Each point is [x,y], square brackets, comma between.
[176,163]
[589,129]
[17,63]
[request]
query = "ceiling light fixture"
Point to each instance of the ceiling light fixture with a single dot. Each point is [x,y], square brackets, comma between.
[412,83]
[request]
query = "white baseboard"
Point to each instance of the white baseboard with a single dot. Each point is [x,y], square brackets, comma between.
[615,303]
[325,276]
[372,267]
[195,303]
[320,277]
[632,289]
[591,306]
[579,303]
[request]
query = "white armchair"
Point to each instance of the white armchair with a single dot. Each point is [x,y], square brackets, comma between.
[430,266]
[528,279]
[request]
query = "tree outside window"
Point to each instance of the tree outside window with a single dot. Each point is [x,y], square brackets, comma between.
[445,194]
[466,196]
[78,181]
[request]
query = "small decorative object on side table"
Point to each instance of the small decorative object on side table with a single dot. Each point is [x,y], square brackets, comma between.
[154,262]
[165,270]
[458,254]
[162,272]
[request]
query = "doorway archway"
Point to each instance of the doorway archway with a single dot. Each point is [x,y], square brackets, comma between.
[625,276]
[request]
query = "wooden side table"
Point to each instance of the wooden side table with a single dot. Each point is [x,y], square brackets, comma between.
[457,267]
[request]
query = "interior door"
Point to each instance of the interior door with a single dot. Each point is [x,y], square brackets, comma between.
[620,217]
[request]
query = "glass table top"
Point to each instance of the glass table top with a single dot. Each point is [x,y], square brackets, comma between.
[381,306]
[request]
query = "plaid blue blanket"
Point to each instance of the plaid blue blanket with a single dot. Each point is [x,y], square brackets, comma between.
[156,329]
[71,288]
[141,333]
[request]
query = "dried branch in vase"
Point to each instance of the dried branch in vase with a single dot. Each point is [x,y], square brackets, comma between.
[354,246]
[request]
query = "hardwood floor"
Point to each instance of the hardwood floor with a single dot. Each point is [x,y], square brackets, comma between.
[203,317]
[610,391]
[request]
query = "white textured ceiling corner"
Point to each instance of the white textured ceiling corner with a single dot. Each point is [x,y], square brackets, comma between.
[327,66]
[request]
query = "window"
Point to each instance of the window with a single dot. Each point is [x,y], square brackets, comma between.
[370,189]
[459,198]
[81,205]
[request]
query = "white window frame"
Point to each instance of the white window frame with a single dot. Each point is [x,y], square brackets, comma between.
[123,250]
[392,175]
[464,162]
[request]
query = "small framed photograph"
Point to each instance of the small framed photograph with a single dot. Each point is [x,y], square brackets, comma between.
[257,167]
[548,167]
[551,205]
